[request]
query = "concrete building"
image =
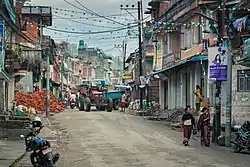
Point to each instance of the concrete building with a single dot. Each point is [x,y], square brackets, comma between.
[184,36]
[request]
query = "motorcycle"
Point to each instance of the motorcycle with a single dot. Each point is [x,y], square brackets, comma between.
[242,140]
[41,155]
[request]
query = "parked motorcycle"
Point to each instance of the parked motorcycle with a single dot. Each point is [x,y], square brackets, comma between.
[242,140]
[41,155]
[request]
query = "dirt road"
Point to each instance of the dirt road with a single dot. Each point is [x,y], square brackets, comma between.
[101,139]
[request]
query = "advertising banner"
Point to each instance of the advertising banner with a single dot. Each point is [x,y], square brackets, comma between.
[217,57]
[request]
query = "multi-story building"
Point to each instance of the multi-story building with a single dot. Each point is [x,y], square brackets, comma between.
[183,33]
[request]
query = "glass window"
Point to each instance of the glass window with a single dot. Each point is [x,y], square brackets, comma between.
[243,81]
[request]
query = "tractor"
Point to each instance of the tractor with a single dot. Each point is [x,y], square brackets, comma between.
[94,96]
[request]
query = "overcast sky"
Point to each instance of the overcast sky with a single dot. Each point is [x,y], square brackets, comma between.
[105,41]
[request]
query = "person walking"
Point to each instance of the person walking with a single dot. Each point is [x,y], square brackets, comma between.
[123,102]
[188,124]
[198,99]
[204,127]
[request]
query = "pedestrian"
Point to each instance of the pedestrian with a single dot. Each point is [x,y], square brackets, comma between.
[204,127]
[188,124]
[123,102]
[198,99]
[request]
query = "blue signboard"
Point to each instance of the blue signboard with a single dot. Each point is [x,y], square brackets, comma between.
[218,63]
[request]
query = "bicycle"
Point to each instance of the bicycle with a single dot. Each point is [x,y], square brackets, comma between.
[153,111]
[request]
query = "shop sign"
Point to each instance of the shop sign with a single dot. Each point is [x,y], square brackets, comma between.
[168,60]
[127,76]
[217,57]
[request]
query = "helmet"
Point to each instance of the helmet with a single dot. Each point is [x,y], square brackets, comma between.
[36,122]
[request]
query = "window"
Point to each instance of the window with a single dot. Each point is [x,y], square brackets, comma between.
[243,78]
[187,38]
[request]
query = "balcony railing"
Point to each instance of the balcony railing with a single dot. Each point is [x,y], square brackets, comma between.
[177,7]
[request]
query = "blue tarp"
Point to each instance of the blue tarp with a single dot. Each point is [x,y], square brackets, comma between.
[198,58]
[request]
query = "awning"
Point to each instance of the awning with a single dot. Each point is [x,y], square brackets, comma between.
[193,59]
[198,58]
[4,76]
[175,65]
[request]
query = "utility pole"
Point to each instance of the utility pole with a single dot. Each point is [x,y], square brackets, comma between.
[124,56]
[139,8]
[229,91]
[47,79]
[140,51]
[217,117]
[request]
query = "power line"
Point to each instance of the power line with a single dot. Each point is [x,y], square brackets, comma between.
[86,23]
[116,14]
[92,12]
[96,32]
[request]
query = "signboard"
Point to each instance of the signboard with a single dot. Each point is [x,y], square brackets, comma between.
[168,60]
[158,58]
[127,76]
[217,57]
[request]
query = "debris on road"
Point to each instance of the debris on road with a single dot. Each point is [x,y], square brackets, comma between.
[37,101]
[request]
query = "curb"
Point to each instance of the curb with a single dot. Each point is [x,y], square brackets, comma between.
[16,161]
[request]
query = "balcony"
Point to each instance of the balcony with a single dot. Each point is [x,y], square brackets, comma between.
[194,50]
[43,12]
[179,8]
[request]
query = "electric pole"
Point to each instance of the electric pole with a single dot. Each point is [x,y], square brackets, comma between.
[140,51]
[139,8]
[49,52]
[124,56]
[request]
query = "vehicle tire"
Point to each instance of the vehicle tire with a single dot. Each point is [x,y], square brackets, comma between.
[102,108]
[34,159]
[109,105]
[237,149]
[87,104]
[50,164]
[72,106]
[116,104]
[81,103]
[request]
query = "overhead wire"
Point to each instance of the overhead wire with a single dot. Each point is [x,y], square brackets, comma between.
[92,12]
[117,14]
[86,23]
[94,32]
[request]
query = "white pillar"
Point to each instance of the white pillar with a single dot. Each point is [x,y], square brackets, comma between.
[2,95]
[161,93]
[182,103]
[11,92]
[192,82]
[169,92]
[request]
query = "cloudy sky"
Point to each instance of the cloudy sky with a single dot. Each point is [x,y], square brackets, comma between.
[73,17]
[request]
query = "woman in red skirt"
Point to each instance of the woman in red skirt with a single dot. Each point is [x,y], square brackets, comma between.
[188,123]
[123,102]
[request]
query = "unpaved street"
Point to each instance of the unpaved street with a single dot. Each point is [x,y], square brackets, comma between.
[101,139]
